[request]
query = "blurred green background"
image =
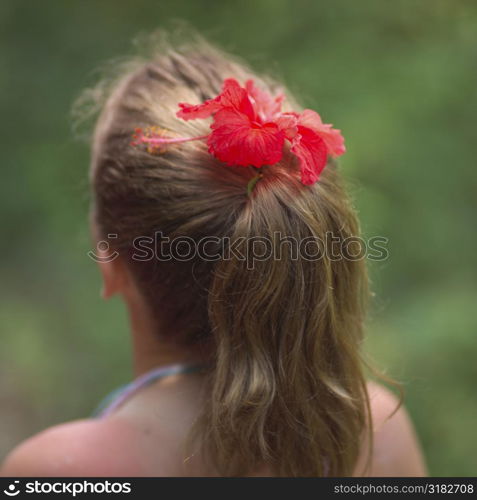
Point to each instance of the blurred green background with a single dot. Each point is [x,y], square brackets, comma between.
[399,78]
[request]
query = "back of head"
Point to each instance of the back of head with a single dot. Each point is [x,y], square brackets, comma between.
[286,382]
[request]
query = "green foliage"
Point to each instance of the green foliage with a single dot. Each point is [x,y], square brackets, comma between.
[399,78]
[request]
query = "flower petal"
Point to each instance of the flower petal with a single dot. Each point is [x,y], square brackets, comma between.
[232,95]
[311,150]
[288,122]
[333,139]
[266,106]
[236,140]
[193,111]
[235,96]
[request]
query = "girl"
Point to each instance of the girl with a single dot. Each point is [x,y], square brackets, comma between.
[209,185]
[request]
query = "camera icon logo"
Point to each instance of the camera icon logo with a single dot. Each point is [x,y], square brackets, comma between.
[12,490]
[103,252]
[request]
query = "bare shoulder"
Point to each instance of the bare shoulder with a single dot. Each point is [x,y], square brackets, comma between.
[396,449]
[78,448]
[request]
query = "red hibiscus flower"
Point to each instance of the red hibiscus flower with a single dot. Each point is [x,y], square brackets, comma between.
[243,130]
[249,128]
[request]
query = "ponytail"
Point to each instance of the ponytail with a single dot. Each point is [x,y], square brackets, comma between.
[288,391]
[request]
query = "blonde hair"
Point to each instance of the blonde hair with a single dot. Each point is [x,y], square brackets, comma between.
[286,384]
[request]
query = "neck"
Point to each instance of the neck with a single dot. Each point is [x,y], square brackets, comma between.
[150,347]
[149,353]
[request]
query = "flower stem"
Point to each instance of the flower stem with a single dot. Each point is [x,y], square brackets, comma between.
[253,181]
